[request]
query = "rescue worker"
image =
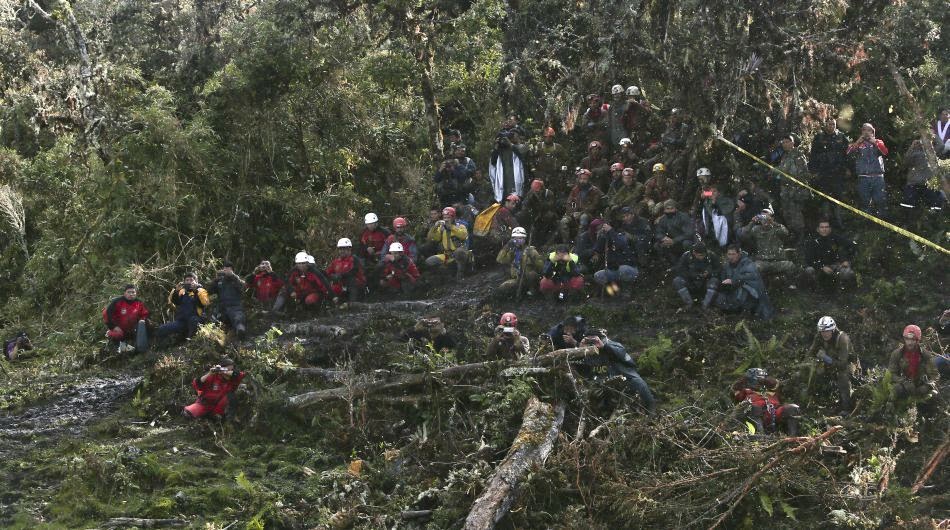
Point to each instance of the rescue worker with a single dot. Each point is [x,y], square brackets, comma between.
[741,287]
[581,207]
[431,333]
[656,191]
[696,274]
[303,285]
[561,275]
[628,194]
[401,236]
[768,238]
[672,151]
[913,370]
[372,239]
[674,233]
[598,164]
[539,211]
[190,300]
[760,393]
[834,353]
[346,273]
[525,264]
[450,235]
[214,389]
[508,343]
[619,261]
[400,273]
[793,196]
[636,113]
[549,164]
[828,258]
[264,284]
[122,317]
[627,155]
[616,172]
[229,287]
[613,356]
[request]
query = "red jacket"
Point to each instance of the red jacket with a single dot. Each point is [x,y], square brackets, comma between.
[345,265]
[304,283]
[216,387]
[373,238]
[124,314]
[402,269]
[265,286]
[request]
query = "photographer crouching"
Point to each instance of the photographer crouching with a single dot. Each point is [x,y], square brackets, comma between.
[214,389]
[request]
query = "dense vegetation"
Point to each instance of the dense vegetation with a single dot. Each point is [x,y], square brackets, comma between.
[149,138]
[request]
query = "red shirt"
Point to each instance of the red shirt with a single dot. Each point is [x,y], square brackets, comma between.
[402,269]
[265,285]
[343,265]
[913,363]
[216,387]
[373,238]
[124,314]
[305,283]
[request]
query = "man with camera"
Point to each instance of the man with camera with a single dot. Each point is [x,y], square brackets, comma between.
[400,273]
[190,300]
[868,152]
[214,389]
[264,284]
[768,237]
[229,288]
[507,342]
[561,274]
[524,261]
[450,235]
[613,356]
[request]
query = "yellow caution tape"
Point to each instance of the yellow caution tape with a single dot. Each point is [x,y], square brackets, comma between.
[882,222]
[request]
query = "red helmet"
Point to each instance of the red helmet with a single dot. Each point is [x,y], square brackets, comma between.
[912,331]
[596,144]
[400,222]
[513,197]
[508,319]
[584,172]
[448,210]
[616,166]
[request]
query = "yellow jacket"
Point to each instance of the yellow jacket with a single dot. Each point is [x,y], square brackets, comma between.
[182,299]
[450,237]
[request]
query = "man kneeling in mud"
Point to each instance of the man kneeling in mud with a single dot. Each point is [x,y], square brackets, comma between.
[214,389]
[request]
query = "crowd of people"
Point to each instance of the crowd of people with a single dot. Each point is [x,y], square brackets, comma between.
[628,207]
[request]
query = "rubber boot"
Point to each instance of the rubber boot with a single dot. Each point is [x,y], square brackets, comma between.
[687,298]
[141,337]
[710,296]
[459,271]
[241,331]
[792,425]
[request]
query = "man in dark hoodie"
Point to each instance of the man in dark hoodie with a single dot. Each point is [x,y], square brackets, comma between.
[741,287]
[828,257]
[229,288]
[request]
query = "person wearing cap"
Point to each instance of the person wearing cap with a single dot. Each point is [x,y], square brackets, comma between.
[595,119]
[122,317]
[190,300]
[465,166]
[229,307]
[549,164]
[761,394]
[403,237]
[636,113]
[793,197]
[539,212]
[561,274]
[616,127]
[613,356]
[450,234]
[400,273]
[913,371]
[674,233]
[450,186]
[525,264]
[264,284]
[598,164]
[372,239]
[638,230]
[828,161]
[508,343]
[741,287]
[828,258]
[619,260]
[304,286]
[214,389]
[346,273]
[628,194]
[657,190]
[506,168]
[868,153]
[834,354]
[582,205]
[768,236]
[696,274]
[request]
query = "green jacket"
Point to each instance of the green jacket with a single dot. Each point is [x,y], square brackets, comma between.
[627,196]
[839,348]
[769,242]
[531,260]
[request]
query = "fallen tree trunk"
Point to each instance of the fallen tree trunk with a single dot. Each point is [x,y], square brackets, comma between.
[531,447]
[127,522]
[408,380]
[931,466]
[309,328]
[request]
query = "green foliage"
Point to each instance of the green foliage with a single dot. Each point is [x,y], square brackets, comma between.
[757,353]
[650,361]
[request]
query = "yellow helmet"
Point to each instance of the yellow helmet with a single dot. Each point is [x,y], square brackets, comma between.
[659,166]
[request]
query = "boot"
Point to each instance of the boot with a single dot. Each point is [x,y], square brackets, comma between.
[792,424]
[459,271]
[710,295]
[686,297]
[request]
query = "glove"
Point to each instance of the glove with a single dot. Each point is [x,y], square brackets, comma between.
[824,357]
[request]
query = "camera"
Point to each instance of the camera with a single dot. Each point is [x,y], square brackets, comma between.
[507,330]
[707,194]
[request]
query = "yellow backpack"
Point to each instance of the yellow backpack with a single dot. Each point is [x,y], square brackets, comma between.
[484,220]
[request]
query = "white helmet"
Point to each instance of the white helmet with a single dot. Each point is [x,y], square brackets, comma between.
[395,247]
[616,89]
[703,172]
[301,257]
[311,260]
[344,242]
[519,232]
[370,218]
[633,91]
[625,141]
[827,324]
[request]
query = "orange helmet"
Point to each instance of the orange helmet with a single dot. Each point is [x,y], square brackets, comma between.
[400,222]
[508,319]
